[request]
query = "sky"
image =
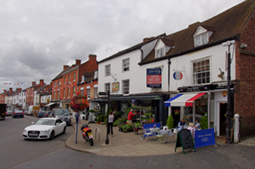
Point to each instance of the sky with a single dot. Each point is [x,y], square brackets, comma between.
[38,37]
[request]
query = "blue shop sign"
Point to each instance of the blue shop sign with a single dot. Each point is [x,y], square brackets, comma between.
[204,137]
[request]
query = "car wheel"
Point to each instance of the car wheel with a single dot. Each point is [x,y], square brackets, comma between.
[22,116]
[52,135]
[64,130]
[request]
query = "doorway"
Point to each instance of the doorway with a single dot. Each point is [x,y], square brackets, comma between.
[176,116]
[223,110]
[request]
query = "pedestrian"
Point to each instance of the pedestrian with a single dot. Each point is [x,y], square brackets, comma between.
[181,124]
[197,125]
[130,116]
[110,124]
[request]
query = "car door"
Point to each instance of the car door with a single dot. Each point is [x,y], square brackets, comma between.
[58,126]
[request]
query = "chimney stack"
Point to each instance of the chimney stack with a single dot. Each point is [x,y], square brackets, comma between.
[10,90]
[33,83]
[41,82]
[77,61]
[65,66]
[92,56]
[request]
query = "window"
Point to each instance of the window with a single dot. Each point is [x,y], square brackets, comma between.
[125,86]
[68,93]
[58,83]
[54,95]
[88,93]
[64,79]
[96,92]
[73,90]
[74,77]
[160,52]
[58,94]
[201,71]
[95,74]
[201,39]
[107,87]
[69,78]
[64,93]
[107,70]
[125,65]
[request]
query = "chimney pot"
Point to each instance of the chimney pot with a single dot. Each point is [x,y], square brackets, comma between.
[65,66]
[78,62]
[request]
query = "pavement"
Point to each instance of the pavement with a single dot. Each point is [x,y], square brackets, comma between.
[121,144]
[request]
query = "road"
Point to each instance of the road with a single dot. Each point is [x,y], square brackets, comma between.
[14,150]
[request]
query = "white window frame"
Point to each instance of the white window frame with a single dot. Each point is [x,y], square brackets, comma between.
[125,86]
[73,90]
[107,70]
[201,71]
[107,87]
[126,65]
[160,52]
[88,93]
[74,77]
[201,39]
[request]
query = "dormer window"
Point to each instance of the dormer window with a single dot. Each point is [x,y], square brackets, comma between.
[202,34]
[160,52]
[201,39]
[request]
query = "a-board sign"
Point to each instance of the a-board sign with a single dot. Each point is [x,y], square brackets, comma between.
[204,137]
[185,140]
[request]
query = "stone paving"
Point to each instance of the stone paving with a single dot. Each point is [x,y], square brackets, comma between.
[248,141]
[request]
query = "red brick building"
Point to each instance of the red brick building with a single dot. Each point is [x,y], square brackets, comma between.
[68,82]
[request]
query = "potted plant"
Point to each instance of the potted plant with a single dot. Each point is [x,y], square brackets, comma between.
[124,128]
[170,122]
[204,122]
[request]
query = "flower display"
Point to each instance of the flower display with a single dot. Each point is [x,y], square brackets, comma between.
[79,102]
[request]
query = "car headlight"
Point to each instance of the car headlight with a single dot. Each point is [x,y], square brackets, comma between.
[45,131]
[24,131]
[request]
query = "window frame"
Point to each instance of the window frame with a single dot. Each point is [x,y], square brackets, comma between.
[106,88]
[201,71]
[125,67]
[88,93]
[201,39]
[107,70]
[74,77]
[160,52]
[125,89]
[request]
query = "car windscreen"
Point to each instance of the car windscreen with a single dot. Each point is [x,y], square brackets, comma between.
[45,122]
[62,112]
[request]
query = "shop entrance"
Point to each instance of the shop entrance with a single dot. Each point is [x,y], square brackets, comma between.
[223,110]
[176,115]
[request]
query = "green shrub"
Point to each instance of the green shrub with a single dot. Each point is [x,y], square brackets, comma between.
[170,122]
[204,122]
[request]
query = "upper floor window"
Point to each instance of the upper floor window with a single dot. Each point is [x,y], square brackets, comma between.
[68,92]
[125,86]
[58,94]
[95,74]
[73,90]
[96,92]
[201,71]
[107,70]
[107,87]
[125,65]
[69,78]
[88,93]
[64,93]
[201,39]
[160,52]
[74,77]
[64,79]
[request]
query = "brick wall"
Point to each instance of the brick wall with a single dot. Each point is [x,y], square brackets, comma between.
[244,99]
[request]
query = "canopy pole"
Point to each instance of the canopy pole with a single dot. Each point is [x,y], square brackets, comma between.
[208,109]
[194,109]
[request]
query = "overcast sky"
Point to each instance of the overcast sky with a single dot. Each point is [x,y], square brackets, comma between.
[38,37]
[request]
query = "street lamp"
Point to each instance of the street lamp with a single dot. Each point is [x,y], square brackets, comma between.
[229,106]
[107,126]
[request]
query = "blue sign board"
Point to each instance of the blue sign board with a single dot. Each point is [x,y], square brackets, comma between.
[204,137]
[154,77]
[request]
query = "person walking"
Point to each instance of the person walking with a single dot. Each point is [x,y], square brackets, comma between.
[110,123]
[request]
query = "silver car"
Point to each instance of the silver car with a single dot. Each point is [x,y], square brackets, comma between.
[63,114]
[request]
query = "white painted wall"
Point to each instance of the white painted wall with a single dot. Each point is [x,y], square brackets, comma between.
[137,74]
[183,63]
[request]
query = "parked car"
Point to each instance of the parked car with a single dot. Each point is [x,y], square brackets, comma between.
[8,112]
[48,113]
[17,113]
[63,114]
[45,128]
[41,113]
[2,111]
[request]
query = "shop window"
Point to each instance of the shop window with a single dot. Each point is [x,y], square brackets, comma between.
[201,71]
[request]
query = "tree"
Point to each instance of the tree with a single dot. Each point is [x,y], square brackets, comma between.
[170,122]
[204,122]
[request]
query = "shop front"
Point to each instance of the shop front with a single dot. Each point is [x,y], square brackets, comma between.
[199,103]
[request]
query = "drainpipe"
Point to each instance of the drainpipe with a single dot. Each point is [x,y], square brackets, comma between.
[209,108]
[169,63]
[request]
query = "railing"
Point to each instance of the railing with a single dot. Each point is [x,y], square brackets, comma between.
[97,133]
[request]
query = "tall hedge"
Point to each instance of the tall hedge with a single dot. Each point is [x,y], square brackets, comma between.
[170,122]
